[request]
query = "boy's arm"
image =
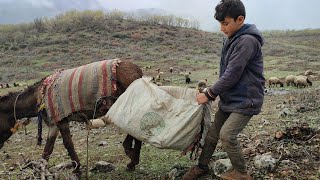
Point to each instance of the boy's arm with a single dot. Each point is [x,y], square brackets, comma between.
[243,52]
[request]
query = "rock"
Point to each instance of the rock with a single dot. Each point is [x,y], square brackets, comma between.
[102,143]
[172,174]
[103,166]
[7,156]
[221,166]
[219,155]
[285,112]
[248,150]
[264,162]
[265,122]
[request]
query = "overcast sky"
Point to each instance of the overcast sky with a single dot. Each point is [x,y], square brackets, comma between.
[266,14]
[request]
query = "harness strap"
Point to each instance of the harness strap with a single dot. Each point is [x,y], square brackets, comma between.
[39,140]
[41,109]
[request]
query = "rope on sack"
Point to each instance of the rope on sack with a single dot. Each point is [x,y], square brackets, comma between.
[89,125]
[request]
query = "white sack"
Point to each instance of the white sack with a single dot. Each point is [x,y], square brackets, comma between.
[166,117]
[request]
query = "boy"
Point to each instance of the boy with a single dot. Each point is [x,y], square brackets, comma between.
[240,87]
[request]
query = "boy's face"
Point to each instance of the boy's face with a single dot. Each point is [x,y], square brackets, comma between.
[229,26]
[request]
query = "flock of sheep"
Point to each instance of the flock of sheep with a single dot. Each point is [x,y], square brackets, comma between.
[6,85]
[299,81]
[157,79]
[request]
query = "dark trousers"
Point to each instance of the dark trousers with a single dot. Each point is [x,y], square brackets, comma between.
[226,127]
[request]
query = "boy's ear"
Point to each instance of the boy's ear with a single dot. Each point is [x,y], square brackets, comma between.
[240,19]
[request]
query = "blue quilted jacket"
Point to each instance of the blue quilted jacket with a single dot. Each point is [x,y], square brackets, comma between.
[241,81]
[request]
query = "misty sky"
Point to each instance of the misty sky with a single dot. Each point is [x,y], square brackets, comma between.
[266,14]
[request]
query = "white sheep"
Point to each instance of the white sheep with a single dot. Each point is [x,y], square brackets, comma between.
[308,72]
[289,80]
[302,81]
[171,69]
[202,83]
[274,81]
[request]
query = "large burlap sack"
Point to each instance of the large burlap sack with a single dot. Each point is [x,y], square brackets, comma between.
[166,117]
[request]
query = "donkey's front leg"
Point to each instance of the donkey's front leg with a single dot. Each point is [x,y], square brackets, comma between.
[64,129]
[52,136]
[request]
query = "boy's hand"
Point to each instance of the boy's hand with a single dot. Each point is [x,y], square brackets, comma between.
[202,98]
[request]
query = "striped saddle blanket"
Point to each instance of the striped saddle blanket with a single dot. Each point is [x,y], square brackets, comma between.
[79,88]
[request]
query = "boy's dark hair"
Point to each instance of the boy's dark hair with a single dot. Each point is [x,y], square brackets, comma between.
[230,8]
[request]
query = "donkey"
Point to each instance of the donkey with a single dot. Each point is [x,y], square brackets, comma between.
[18,105]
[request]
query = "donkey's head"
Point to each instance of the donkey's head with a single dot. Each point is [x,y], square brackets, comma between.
[16,105]
[127,72]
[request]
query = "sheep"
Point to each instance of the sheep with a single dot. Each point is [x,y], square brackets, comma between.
[1,85]
[203,83]
[158,77]
[308,72]
[186,75]
[188,80]
[289,80]
[302,81]
[171,69]
[274,81]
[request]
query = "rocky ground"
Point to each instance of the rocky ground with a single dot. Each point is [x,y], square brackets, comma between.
[282,142]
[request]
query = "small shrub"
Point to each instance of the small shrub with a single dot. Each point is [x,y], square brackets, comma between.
[136,36]
[22,46]
[120,36]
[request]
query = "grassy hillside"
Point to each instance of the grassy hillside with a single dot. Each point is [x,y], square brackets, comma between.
[34,50]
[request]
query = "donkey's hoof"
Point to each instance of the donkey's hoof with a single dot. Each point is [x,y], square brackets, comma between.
[131,167]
